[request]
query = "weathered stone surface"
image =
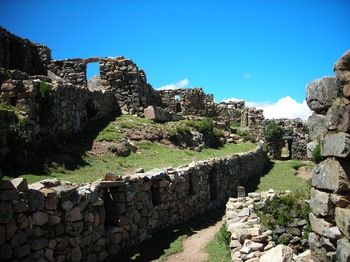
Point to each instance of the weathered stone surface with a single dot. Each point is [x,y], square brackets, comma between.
[318,225]
[332,233]
[342,218]
[39,243]
[159,115]
[332,175]
[76,254]
[5,212]
[338,117]
[342,68]
[320,203]
[317,125]
[22,251]
[74,215]
[321,93]
[343,250]
[20,184]
[280,253]
[39,218]
[336,144]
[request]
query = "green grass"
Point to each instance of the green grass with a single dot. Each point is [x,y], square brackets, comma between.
[218,248]
[175,247]
[282,176]
[149,156]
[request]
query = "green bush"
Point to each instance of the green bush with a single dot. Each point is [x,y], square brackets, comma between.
[278,210]
[218,132]
[316,154]
[223,235]
[44,89]
[273,132]
[244,134]
[204,125]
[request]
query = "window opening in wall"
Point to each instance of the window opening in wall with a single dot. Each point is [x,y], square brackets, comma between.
[93,75]
[177,97]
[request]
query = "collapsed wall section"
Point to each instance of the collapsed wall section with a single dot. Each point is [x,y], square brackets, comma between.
[54,220]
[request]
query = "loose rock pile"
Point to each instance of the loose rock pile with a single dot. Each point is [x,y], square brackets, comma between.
[250,240]
[330,197]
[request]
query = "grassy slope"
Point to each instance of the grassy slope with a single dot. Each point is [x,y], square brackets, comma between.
[149,156]
[282,176]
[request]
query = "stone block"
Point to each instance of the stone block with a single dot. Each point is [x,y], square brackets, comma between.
[39,243]
[9,195]
[20,184]
[317,125]
[280,253]
[76,254]
[343,250]
[332,175]
[22,251]
[338,118]
[74,215]
[342,68]
[320,203]
[5,212]
[321,93]
[74,229]
[342,219]
[39,218]
[318,225]
[335,144]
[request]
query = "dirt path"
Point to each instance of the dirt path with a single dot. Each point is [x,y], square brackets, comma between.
[194,246]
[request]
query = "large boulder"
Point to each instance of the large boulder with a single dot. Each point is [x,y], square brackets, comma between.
[280,253]
[159,115]
[317,125]
[321,93]
[336,144]
[342,68]
[332,175]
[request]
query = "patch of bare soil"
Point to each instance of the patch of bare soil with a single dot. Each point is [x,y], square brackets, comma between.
[194,245]
[99,147]
[304,173]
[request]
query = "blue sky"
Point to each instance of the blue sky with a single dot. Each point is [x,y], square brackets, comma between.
[256,50]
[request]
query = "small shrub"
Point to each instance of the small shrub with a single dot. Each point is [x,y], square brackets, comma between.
[273,132]
[234,125]
[218,132]
[316,154]
[44,89]
[224,235]
[244,134]
[204,125]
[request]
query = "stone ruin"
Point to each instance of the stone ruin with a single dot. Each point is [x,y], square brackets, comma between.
[54,220]
[329,127]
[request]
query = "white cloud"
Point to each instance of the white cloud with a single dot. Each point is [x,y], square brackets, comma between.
[181,84]
[247,76]
[285,107]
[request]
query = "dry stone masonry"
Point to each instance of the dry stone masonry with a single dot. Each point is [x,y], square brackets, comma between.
[250,241]
[330,196]
[54,220]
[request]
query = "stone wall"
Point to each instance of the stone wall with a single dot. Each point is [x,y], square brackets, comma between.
[251,241]
[129,85]
[253,120]
[330,196]
[230,111]
[57,221]
[21,54]
[295,136]
[188,101]
[53,109]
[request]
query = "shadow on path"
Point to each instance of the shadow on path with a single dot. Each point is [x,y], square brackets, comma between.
[155,247]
